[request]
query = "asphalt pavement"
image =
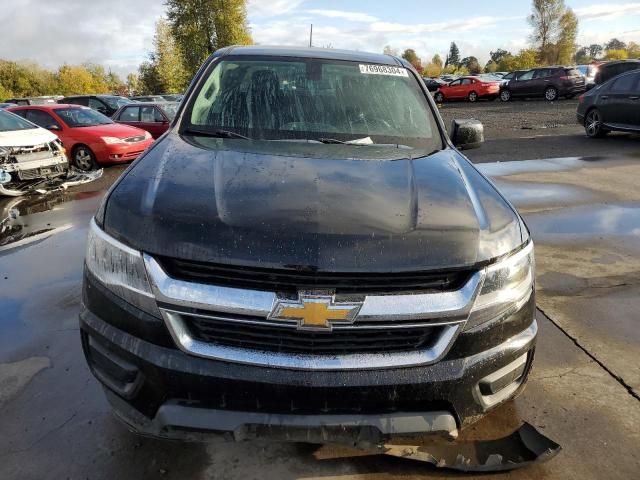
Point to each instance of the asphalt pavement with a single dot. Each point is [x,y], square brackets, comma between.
[583,391]
[533,129]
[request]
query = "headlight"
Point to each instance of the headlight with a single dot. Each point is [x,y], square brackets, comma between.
[112,140]
[120,269]
[507,286]
[4,154]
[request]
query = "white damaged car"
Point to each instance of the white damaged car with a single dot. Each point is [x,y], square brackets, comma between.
[30,156]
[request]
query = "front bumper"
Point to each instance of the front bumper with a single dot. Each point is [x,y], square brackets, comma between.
[162,391]
[118,153]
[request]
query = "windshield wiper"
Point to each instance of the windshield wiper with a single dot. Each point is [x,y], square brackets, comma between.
[216,133]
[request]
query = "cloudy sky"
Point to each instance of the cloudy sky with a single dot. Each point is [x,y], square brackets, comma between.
[118,33]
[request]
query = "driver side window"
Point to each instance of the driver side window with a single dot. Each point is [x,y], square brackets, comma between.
[42,119]
[527,75]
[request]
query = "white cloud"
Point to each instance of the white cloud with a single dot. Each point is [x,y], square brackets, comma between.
[449,27]
[115,33]
[349,16]
[271,8]
[608,11]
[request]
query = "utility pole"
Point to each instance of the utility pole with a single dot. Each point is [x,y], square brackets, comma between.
[311,36]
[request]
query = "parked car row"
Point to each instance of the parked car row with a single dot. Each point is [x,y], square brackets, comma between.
[551,82]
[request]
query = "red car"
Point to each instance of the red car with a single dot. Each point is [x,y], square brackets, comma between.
[155,118]
[90,138]
[470,88]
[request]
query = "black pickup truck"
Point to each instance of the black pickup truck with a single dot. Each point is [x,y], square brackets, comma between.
[306,248]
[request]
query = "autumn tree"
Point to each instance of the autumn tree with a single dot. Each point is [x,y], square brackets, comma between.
[168,60]
[565,46]
[437,60]
[132,84]
[545,20]
[491,67]
[74,80]
[410,56]
[616,54]
[524,60]
[200,27]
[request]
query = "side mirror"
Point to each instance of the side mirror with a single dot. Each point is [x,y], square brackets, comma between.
[467,134]
[54,127]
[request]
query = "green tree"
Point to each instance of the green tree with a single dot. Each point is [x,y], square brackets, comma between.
[615,44]
[410,56]
[167,59]
[148,79]
[545,20]
[595,50]
[471,64]
[582,55]
[491,67]
[524,60]
[453,58]
[132,83]
[498,55]
[566,43]
[202,26]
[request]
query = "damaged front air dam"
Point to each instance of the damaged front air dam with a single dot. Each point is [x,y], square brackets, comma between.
[523,447]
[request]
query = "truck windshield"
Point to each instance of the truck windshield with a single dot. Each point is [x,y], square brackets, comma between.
[315,100]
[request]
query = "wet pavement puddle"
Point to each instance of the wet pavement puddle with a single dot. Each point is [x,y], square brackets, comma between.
[42,240]
[587,221]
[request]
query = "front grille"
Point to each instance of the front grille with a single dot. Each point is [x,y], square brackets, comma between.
[31,153]
[137,138]
[291,281]
[44,172]
[288,340]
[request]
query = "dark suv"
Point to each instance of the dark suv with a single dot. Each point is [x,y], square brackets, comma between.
[305,249]
[612,69]
[548,82]
[105,104]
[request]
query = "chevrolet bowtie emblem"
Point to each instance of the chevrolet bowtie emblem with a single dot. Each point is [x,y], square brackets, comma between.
[315,312]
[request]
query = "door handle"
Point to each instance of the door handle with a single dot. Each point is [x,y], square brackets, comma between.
[604,97]
[634,98]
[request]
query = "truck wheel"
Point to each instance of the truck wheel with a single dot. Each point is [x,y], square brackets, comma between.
[473,97]
[84,159]
[551,94]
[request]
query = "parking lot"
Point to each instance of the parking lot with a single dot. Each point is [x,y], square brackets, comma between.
[532,129]
[578,196]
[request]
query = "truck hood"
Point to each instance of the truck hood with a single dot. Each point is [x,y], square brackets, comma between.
[26,138]
[276,205]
